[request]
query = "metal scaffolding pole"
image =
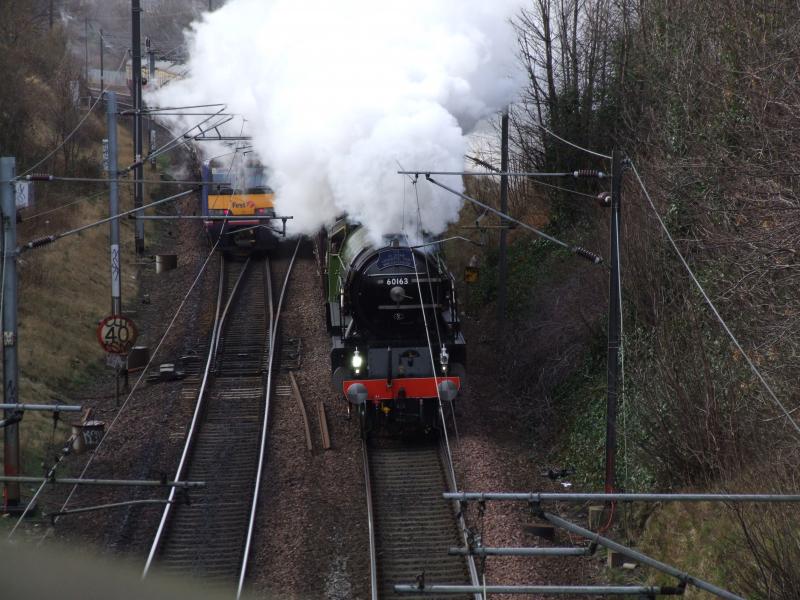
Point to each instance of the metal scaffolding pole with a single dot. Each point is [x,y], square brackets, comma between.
[537,497]
[8,207]
[120,482]
[487,551]
[586,590]
[85,509]
[43,407]
[682,576]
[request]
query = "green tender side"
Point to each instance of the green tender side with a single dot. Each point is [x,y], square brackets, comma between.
[354,241]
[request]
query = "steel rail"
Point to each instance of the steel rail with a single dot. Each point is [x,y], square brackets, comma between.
[194,423]
[274,320]
[119,412]
[450,475]
[227,308]
[373,559]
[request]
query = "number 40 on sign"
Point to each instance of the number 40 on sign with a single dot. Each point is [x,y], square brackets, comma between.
[117,334]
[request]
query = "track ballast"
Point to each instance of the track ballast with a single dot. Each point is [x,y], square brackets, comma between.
[206,537]
[413,525]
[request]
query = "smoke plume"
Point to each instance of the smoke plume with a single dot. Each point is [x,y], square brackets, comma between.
[338,94]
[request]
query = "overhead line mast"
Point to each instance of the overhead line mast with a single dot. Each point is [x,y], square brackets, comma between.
[136,84]
[8,291]
[614,324]
[502,266]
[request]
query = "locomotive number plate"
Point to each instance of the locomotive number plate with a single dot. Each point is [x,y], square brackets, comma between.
[397,281]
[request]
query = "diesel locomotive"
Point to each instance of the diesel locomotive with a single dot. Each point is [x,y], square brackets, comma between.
[392,315]
[239,191]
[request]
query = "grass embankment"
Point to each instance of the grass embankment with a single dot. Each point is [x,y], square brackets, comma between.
[64,292]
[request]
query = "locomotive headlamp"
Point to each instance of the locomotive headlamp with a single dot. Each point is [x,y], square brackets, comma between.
[444,359]
[356,361]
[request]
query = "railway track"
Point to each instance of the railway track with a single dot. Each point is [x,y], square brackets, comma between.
[209,536]
[411,526]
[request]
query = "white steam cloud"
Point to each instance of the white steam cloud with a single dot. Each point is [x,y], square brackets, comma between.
[337,94]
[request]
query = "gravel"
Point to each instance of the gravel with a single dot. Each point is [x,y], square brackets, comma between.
[498,448]
[312,530]
[146,440]
[311,536]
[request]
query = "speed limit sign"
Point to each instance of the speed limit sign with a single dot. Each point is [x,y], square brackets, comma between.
[117,334]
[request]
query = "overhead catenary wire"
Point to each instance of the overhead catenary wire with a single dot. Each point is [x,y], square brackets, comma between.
[48,478]
[495,171]
[63,206]
[417,273]
[573,144]
[77,127]
[563,189]
[582,252]
[49,178]
[435,312]
[449,453]
[49,239]
[450,469]
[712,306]
[181,139]
[589,173]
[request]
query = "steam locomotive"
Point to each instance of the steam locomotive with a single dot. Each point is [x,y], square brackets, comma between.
[238,191]
[392,314]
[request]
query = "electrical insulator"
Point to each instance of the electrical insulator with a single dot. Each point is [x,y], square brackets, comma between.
[587,254]
[39,242]
[588,173]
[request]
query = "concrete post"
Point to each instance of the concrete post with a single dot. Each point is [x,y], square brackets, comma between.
[113,204]
[10,366]
[113,210]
